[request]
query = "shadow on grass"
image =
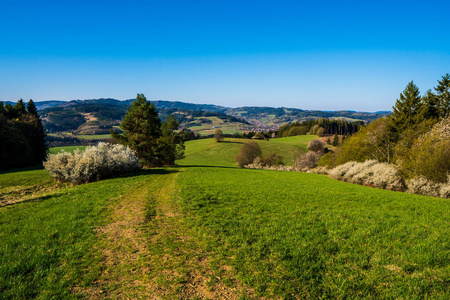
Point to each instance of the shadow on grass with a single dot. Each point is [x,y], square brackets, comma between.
[231,142]
[202,166]
[149,171]
[36,199]
[37,167]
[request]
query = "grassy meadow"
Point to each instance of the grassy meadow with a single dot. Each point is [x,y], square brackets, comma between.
[70,149]
[211,153]
[205,229]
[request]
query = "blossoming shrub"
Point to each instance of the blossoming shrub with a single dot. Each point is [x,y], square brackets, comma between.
[323,170]
[371,173]
[306,162]
[423,186]
[102,161]
[259,164]
[339,172]
[357,173]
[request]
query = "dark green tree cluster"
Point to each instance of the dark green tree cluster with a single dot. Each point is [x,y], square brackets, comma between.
[22,137]
[330,126]
[251,134]
[156,143]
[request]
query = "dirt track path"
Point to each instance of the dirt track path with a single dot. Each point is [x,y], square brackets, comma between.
[149,253]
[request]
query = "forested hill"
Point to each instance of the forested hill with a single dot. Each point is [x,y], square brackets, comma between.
[107,112]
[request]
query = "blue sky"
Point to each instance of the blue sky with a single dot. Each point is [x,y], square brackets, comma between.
[327,55]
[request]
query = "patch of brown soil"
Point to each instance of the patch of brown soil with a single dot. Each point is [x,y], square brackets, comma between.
[17,194]
[89,117]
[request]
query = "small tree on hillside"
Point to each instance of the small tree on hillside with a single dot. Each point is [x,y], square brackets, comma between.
[170,146]
[317,146]
[218,135]
[335,140]
[249,152]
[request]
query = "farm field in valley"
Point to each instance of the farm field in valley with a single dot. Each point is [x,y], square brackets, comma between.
[206,229]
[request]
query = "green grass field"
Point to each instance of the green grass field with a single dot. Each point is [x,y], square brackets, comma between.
[304,235]
[94,136]
[209,152]
[208,230]
[55,150]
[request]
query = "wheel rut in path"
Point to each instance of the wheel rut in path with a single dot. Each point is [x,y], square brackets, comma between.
[149,252]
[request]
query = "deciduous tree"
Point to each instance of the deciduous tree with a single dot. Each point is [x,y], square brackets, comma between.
[218,135]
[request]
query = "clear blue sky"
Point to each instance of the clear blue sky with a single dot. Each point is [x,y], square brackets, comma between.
[327,55]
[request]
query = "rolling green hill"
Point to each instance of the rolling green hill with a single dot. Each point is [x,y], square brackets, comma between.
[207,229]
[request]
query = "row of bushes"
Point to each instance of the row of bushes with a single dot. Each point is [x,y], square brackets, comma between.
[385,176]
[251,157]
[95,163]
[370,172]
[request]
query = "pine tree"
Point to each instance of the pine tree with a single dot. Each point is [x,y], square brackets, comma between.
[335,140]
[142,128]
[9,111]
[20,108]
[31,108]
[406,112]
[429,108]
[170,146]
[443,95]
[38,135]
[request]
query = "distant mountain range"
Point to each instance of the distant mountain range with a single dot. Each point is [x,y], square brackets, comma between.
[99,115]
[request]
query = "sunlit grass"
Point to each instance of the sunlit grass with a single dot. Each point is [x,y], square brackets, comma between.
[209,152]
[55,150]
[290,234]
[49,242]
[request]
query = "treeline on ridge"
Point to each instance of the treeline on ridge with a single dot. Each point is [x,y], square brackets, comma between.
[320,127]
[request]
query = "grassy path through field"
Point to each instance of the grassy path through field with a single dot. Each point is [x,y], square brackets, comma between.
[149,252]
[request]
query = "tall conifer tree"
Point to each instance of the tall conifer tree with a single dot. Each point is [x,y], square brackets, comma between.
[142,128]
[406,112]
[38,135]
[443,95]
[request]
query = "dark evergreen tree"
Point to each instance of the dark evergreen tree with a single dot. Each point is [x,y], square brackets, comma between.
[31,108]
[142,128]
[443,95]
[22,136]
[20,108]
[170,146]
[429,108]
[335,140]
[406,112]
[9,111]
[38,136]
[155,144]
